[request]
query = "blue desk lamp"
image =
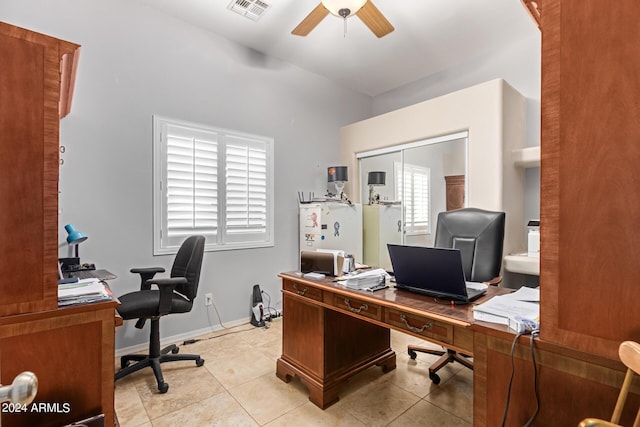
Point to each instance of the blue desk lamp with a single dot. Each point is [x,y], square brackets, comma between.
[74,238]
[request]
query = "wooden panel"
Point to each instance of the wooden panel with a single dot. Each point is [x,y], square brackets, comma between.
[357,306]
[70,353]
[422,326]
[455,191]
[590,120]
[303,326]
[356,343]
[572,386]
[302,290]
[29,178]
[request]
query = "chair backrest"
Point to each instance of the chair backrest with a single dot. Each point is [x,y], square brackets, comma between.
[188,263]
[629,353]
[479,235]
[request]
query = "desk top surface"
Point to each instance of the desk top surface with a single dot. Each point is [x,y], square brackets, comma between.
[400,299]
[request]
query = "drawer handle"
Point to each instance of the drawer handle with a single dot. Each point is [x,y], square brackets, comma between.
[413,328]
[355,310]
[300,292]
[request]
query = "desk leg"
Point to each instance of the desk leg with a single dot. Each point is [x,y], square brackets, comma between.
[321,395]
[324,348]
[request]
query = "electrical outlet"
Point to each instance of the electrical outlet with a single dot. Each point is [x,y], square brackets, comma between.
[208,299]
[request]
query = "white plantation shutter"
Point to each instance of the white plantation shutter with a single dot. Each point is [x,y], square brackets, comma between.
[211,182]
[412,187]
[247,190]
[191,184]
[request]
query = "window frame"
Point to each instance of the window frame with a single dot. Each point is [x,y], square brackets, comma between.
[218,240]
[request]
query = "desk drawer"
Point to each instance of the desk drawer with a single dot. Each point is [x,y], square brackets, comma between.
[302,290]
[357,306]
[423,326]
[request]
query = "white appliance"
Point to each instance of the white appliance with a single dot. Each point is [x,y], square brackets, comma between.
[332,225]
[382,225]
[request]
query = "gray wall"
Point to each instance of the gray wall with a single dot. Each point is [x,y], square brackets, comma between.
[136,62]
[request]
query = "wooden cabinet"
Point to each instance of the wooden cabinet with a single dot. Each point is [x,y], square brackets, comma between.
[590,199]
[455,191]
[70,350]
[590,242]
[30,83]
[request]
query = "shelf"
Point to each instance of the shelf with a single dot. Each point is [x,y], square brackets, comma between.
[522,264]
[527,157]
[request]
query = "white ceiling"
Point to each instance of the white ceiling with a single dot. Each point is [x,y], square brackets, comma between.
[430,36]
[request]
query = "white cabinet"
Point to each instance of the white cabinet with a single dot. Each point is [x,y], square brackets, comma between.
[331,225]
[382,225]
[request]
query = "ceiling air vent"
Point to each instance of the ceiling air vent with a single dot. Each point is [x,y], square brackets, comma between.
[252,9]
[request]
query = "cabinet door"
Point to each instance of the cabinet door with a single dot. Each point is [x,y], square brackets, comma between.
[29,84]
[590,198]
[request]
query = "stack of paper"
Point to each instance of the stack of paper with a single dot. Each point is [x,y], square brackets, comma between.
[366,280]
[83,291]
[525,303]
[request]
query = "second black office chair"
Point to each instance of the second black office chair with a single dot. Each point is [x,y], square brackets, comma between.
[479,235]
[174,295]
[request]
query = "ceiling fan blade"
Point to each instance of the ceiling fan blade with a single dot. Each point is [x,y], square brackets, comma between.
[374,19]
[311,20]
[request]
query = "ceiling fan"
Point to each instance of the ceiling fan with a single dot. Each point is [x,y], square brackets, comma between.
[363,9]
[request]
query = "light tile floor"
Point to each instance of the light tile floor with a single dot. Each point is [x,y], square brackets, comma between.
[237,386]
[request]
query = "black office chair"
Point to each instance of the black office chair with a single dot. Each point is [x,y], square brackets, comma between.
[174,295]
[479,235]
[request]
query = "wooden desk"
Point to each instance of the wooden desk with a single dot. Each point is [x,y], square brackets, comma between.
[331,333]
[71,351]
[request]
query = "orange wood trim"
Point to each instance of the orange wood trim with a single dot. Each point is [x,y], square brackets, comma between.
[70,55]
[534,7]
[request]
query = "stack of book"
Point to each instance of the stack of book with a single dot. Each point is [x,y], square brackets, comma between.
[83,291]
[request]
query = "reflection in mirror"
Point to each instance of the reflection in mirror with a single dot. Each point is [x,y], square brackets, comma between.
[421,180]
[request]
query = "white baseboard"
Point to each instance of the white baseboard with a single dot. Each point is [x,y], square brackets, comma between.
[180,337]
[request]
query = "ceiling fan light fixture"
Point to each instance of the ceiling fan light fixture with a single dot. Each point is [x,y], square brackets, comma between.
[339,7]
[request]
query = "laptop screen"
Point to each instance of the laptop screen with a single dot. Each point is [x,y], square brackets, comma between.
[432,271]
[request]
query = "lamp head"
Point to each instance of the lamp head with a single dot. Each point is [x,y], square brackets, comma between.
[337,174]
[376,178]
[75,237]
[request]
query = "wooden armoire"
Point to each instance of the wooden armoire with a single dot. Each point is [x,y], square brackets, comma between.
[71,350]
[590,240]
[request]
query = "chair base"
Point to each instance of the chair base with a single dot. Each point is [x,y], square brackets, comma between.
[447,356]
[154,359]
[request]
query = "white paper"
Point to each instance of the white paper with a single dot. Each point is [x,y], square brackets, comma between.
[509,307]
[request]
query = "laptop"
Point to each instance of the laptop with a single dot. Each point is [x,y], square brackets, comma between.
[433,271]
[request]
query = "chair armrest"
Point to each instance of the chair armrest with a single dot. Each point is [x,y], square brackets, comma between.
[145,275]
[494,282]
[594,422]
[167,286]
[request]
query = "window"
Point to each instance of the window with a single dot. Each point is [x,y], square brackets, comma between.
[214,182]
[412,187]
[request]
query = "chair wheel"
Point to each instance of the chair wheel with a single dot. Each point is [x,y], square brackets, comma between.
[200,362]
[412,354]
[434,377]
[175,350]
[163,387]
